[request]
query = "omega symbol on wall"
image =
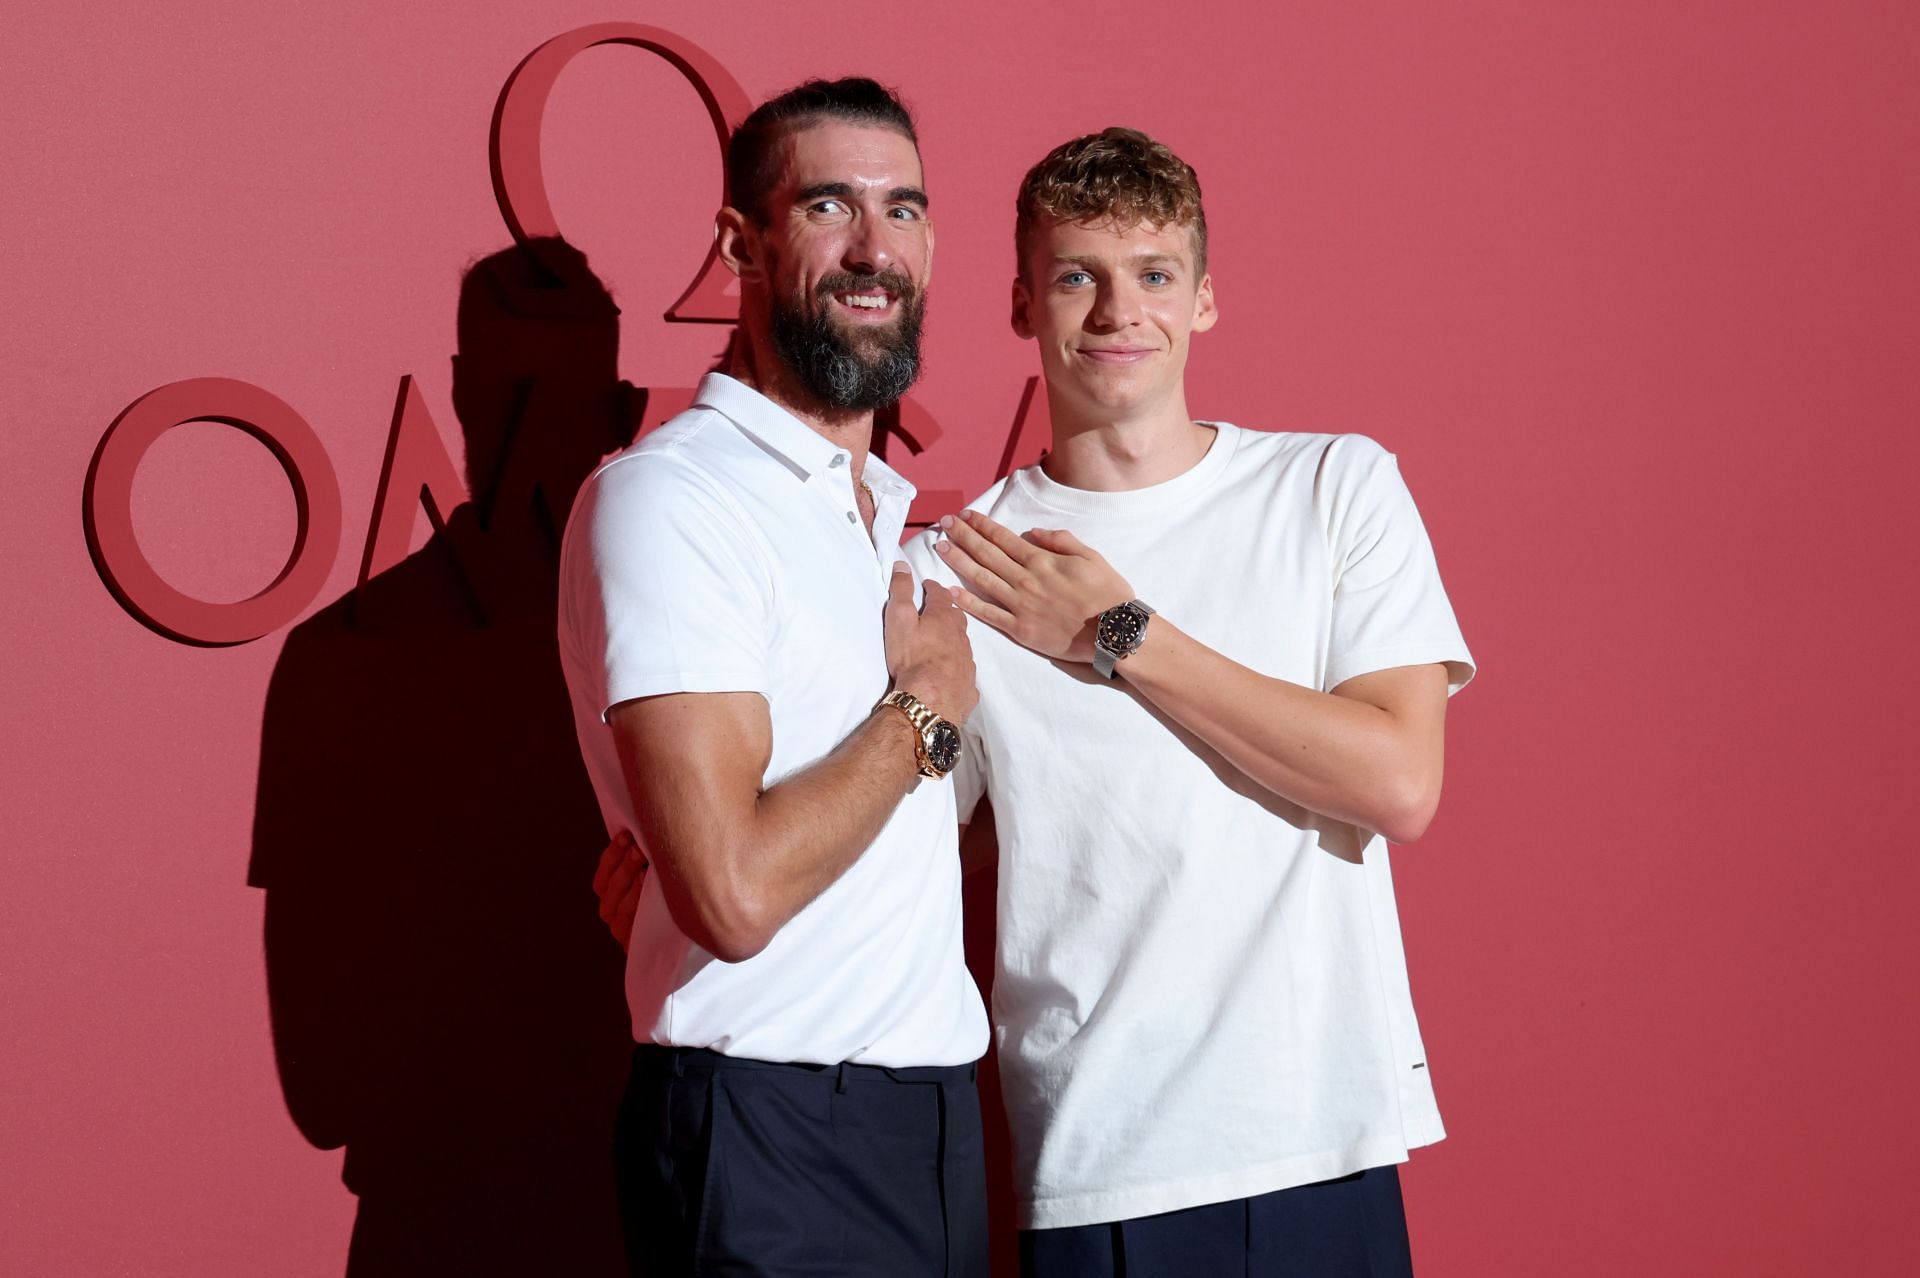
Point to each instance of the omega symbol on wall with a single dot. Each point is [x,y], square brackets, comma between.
[417,472]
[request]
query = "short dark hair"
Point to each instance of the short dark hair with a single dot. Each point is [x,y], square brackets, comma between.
[1117,175]
[752,166]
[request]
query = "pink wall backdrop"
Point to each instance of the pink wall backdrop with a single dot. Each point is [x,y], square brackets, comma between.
[1632,289]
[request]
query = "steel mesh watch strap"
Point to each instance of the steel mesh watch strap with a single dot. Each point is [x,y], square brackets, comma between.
[1105,658]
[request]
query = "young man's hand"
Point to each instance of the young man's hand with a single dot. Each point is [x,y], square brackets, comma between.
[927,651]
[1044,591]
[617,881]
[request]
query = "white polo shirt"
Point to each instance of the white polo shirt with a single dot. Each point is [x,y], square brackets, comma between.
[1200,993]
[724,552]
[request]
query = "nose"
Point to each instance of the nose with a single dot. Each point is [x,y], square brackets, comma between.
[1115,306]
[867,248]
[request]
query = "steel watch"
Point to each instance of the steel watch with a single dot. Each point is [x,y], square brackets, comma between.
[1118,633]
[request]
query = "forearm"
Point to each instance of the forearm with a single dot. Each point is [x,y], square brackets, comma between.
[806,831]
[1334,755]
[734,872]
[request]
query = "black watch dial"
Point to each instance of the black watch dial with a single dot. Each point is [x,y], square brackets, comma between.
[943,746]
[1121,629]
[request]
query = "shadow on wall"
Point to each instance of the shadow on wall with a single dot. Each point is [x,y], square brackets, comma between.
[446,1002]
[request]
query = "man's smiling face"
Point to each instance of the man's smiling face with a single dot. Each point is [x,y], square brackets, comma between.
[849,249]
[1112,309]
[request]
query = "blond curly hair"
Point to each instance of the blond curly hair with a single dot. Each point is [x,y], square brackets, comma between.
[1118,176]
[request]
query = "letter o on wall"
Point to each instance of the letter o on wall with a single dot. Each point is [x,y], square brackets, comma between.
[108,511]
[520,184]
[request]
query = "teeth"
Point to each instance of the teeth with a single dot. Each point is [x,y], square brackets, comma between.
[870,303]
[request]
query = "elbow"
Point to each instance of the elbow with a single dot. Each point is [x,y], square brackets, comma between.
[1406,813]
[735,945]
[730,924]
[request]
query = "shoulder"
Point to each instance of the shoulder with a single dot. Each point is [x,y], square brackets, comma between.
[992,499]
[674,473]
[681,454]
[1342,455]
[664,491]
[1328,454]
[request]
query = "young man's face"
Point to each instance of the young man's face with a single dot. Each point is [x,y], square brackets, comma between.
[848,250]
[1112,310]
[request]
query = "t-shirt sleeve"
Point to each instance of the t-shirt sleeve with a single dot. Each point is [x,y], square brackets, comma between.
[1389,608]
[663,587]
[969,776]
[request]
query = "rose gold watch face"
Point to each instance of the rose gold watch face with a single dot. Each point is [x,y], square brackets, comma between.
[943,746]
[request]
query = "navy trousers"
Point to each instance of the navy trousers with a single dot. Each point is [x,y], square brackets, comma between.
[741,1167]
[1353,1227]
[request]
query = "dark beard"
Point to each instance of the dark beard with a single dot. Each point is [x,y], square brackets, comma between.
[839,373]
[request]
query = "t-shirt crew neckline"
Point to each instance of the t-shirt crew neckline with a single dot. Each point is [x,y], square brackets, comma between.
[1139,501]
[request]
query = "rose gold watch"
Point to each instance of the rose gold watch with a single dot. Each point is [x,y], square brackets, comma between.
[936,741]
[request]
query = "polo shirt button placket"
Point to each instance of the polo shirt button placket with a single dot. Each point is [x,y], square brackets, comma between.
[835,463]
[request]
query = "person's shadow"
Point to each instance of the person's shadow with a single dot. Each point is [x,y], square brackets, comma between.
[446,1002]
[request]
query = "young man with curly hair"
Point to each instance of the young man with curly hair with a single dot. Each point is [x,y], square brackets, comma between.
[1214,666]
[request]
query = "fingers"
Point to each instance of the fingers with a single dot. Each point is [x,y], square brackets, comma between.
[609,857]
[935,598]
[979,563]
[986,552]
[998,535]
[619,887]
[900,588]
[1057,540]
[622,923]
[974,606]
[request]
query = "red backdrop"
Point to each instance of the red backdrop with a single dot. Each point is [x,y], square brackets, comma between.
[1631,289]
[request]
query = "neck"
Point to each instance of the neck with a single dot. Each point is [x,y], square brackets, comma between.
[755,363]
[1101,451]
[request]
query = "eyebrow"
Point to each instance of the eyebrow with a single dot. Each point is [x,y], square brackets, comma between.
[1138,259]
[844,190]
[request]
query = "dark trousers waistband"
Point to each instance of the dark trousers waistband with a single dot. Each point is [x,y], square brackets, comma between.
[679,1061]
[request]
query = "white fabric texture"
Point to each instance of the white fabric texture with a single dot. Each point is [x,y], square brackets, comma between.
[1200,992]
[724,552]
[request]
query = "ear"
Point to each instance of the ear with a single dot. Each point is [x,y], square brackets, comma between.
[739,244]
[1022,316]
[1205,313]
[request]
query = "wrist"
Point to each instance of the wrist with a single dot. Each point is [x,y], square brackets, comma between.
[936,740]
[1119,633]
[923,687]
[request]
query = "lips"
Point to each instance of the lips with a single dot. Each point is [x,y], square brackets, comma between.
[1116,354]
[866,298]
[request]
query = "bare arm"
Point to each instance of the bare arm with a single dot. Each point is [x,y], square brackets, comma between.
[622,871]
[1369,752]
[736,861]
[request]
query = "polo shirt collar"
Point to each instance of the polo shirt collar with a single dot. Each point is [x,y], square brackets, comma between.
[802,449]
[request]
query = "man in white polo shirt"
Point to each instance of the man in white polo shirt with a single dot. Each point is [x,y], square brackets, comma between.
[757,696]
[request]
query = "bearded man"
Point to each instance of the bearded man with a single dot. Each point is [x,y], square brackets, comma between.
[757,696]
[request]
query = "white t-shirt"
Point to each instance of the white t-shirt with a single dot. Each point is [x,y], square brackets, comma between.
[724,552]
[1200,993]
